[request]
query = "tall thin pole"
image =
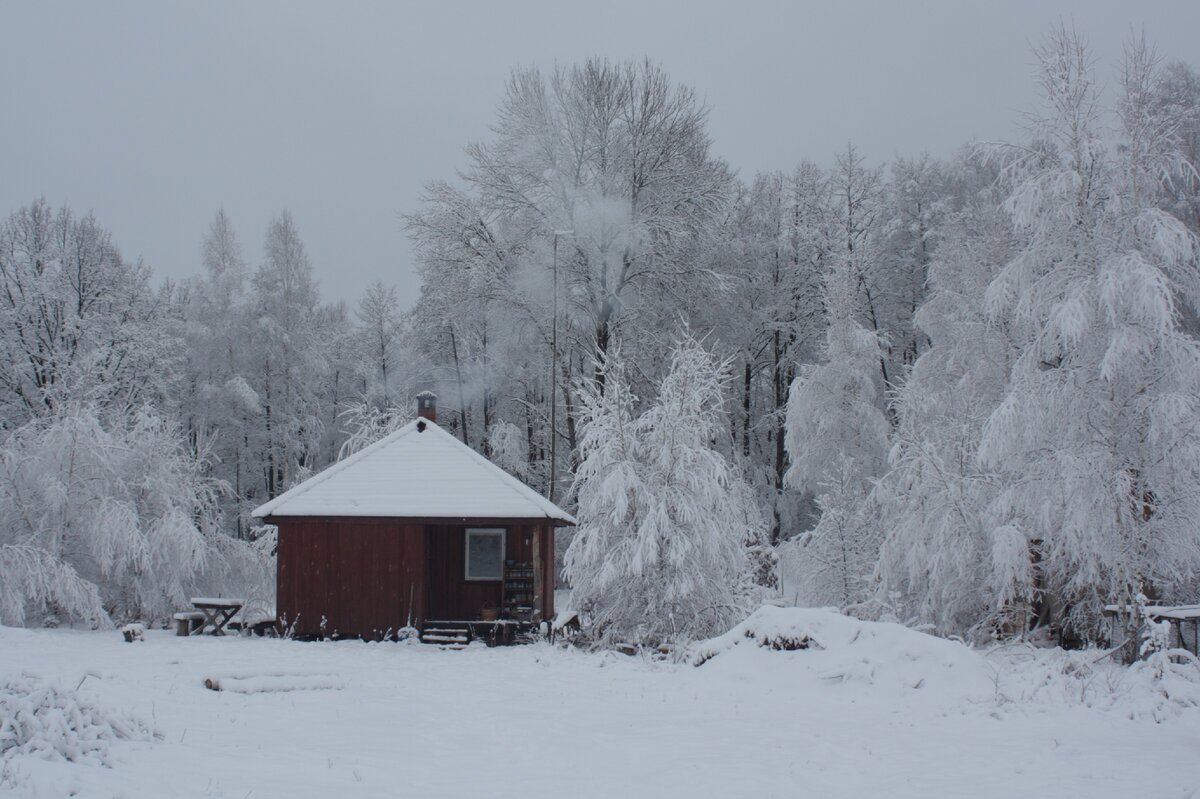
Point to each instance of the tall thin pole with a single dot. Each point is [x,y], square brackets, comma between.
[554,373]
[554,380]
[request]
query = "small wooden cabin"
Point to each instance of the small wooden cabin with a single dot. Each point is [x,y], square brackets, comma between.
[417,529]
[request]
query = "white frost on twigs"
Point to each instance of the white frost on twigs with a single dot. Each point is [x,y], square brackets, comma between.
[44,720]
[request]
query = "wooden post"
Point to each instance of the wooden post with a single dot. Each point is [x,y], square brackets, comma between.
[538,582]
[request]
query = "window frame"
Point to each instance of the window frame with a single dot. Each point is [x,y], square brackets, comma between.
[502,533]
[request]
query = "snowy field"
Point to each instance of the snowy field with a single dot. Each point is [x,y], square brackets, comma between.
[876,711]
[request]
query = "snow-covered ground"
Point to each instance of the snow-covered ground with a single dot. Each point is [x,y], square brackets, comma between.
[868,710]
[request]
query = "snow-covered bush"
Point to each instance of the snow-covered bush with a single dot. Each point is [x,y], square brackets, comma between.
[1161,687]
[41,719]
[660,552]
[109,518]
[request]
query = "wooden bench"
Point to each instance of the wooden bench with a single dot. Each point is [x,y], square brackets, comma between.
[259,624]
[186,622]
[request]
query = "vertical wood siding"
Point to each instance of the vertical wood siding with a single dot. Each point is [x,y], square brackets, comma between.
[356,575]
[451,595]
[370,577]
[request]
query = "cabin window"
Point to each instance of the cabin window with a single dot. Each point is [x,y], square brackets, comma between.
[485,553]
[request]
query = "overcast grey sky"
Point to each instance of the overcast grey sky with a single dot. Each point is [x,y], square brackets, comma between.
[154,115]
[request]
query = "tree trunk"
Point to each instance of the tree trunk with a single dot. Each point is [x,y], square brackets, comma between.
[746,410]
[781,379]
[462,403]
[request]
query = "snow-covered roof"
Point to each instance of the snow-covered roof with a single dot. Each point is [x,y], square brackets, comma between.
[419,471]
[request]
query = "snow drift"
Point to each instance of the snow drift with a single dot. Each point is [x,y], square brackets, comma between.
[836,648]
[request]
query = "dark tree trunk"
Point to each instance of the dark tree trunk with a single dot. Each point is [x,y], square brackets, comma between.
[748,376]
[462,402]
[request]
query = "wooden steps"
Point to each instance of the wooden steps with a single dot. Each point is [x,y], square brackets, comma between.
[448,636]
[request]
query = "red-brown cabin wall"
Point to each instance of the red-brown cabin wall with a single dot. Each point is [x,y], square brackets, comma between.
[370,577]
[452,597]
[362,577]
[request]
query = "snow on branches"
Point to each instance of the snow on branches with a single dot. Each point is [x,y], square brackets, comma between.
[42,719]
[837,436]
[103,519]
[1096,439]
[660,553]
[946,560]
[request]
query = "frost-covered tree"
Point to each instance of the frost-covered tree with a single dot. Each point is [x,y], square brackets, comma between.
[767,309]
[857,262]
[109,507]
[365,424]
[465,263]
[915,205]
[946,560]
[1177,95]
[286,357]
[616,152]
[509,448]
[660,553]
[110,520]
[837,434]
[76,319]
[1096,437]
[224,265]
[580,217]
[380,328]
[216,402]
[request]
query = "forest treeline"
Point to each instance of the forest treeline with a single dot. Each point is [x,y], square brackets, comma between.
[957,392]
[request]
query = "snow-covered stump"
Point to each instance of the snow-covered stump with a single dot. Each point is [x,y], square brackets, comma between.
[780,629]
[133,632]
[565,625]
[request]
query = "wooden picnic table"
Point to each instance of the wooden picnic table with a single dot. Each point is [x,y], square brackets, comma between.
[217,613]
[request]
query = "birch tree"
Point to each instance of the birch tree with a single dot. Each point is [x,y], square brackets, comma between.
[660,553]
[947,559]
[103,521]
[380,328]
[76,318]
[837,437]
[1096,436]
